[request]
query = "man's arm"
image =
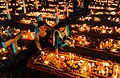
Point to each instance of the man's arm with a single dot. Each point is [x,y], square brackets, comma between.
[37,42]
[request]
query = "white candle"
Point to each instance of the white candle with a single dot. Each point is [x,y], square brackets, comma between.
[70,56]
[28,30]
[32,37]
[93,64]
[72,61]
[0,51]
[107,69]
[19,48]
[4,58]
[26,36]
[57,56]
[46,62]
[85,70]
[63,57]
[116,70]
[42,53]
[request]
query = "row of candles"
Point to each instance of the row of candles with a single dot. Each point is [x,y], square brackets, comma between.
[98,29]
[108,4]
[28,21]
[114,19]
[48,9]
[81,41]
[89,18]
[33,20]
[111,44]
[4,51]
[98,7]
[45,15]
[107,1]
[28,35]
[98,19]
[25,34]
[51,23]
[16,31]
[108,13]
[88,67]
[62,5]
[59,2]
[53,10]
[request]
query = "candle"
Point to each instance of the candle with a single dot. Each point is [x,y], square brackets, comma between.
[63,57]
[103,72]
[79,63]
[51,54]
[70,56]
[42,53]
[19,48]
[116,71]
[57,56]
[3,49]
[46,62]
[4,31]
[103,31]
[72,61]
[28,30]
[59,61]
[32,37]
[107,69]
[93,64]
[89,65]
[4,58]
[84,70]
[26,36]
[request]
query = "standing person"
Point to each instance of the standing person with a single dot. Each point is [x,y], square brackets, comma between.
[13,2]
[86,4]
[45,3]
[61,37]
[76,3]
[42,35]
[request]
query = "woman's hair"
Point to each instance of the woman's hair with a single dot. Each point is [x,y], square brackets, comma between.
[40,23]
[61,24]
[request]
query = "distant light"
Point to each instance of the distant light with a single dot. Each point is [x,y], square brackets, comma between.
[46,62]
[42,53]
[4,58]
[3,49]
[19,48]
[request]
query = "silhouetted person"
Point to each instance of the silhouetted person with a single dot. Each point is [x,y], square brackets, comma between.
[86,4]
[45,3]
[76,3]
